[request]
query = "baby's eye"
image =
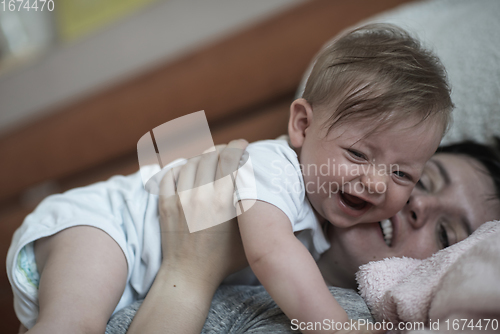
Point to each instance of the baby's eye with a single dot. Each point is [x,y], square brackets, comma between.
[356,154]
[400,174]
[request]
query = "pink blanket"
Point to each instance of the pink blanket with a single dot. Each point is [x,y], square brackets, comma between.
[459,282]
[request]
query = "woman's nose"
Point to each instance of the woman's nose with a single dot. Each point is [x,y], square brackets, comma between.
[418,209]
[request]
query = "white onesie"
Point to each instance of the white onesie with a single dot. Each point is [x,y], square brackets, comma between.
[123,209]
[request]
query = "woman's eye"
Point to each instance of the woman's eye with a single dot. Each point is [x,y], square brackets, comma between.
[421,185]
[357,155]
[425,183]
[443,236]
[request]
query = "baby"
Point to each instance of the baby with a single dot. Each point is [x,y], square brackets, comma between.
[373,112]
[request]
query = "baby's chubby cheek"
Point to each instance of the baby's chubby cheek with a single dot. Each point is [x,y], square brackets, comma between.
[394,203]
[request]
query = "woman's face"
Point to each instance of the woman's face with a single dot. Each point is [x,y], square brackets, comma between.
[452,199]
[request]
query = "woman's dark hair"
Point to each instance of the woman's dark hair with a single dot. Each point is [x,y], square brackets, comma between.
[488,156]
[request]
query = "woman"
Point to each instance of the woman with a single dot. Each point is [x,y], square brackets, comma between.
[454,197]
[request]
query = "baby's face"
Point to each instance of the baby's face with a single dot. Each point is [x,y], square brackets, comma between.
[358,173]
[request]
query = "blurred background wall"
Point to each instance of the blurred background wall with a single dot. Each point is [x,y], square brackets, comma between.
[82,82]
[83,46]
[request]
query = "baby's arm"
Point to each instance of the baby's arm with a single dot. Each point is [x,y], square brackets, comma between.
[285,267]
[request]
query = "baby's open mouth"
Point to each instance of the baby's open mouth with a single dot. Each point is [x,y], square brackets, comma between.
[353,202]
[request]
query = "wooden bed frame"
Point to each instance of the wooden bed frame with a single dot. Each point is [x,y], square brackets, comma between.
[244,83]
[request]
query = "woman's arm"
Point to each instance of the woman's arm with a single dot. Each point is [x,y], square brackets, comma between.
[194,264]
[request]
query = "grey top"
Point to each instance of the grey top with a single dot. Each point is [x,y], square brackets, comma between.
[247,309]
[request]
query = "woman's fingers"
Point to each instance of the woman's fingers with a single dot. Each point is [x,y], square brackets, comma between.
[170,210]
[205,207]
[167,185]
[187,175]
[207,166]
[229,158]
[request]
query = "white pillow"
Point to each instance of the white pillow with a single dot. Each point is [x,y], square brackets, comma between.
[465,35]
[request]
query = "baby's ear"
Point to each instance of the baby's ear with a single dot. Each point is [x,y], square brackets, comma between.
[300,120]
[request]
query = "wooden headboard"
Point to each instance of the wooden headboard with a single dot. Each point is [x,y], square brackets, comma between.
[244,83]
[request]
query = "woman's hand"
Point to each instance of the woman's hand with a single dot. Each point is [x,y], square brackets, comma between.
[194,264]
[210,254]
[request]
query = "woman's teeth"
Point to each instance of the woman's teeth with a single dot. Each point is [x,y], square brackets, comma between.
[387,231]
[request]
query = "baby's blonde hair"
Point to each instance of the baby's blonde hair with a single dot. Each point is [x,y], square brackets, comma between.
[379,72]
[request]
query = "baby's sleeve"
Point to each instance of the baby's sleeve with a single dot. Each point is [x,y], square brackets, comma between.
[272,175]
